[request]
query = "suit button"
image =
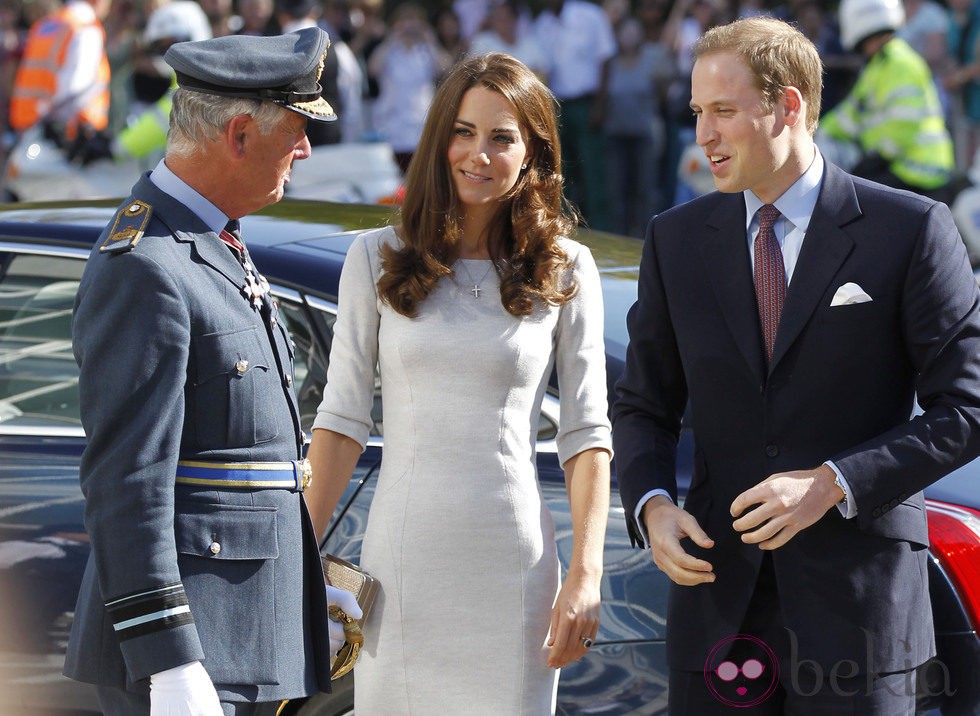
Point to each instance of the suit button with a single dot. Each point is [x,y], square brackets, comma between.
[772,450]
[876,512]
[215,547]
[241,366]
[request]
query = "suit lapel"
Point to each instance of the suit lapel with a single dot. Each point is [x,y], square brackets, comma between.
[725,254]
[825,247]
[217,255]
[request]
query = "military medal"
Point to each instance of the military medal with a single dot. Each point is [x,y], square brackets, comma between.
[256,285]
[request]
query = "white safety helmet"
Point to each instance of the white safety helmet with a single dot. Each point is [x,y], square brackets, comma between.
[178,21]
[863,18]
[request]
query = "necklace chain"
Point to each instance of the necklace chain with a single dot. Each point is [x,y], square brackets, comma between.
[475,290]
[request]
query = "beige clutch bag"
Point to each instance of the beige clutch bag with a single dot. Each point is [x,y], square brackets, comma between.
[344,575]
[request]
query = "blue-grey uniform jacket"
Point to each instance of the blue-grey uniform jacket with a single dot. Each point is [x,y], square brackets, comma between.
[177,364]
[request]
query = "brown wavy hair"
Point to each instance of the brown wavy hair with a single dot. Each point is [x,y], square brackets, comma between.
[523,236]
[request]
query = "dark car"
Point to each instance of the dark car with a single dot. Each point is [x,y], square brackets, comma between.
[300,247]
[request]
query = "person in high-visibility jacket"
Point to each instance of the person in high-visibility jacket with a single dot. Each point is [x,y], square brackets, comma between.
[893,111]
[63,76]
[145,137]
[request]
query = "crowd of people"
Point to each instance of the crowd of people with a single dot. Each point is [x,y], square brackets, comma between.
[621,71]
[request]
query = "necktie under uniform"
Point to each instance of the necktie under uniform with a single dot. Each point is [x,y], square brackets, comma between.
[769,275]
[256,287]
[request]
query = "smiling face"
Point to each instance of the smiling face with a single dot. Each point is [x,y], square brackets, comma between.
[748,146]
[487,150]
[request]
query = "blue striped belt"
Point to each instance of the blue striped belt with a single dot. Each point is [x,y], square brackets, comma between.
[294,475]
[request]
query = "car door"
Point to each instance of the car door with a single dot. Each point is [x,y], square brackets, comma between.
[43,545]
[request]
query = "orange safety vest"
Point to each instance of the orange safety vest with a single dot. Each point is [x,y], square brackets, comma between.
[37,75]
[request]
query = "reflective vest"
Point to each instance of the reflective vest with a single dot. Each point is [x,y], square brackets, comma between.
[894,111]
[147,136]
[36,82]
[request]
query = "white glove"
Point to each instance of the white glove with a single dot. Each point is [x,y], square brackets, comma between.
[348,602]
[185,690]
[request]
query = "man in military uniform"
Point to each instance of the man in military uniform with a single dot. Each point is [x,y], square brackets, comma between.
[204,593]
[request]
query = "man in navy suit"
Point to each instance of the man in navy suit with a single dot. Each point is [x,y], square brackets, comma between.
[798,313]
[204,593]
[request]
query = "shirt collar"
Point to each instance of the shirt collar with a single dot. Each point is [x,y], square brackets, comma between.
[797,203]
[172,185]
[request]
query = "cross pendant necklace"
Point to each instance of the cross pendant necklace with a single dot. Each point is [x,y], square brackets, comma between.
[475,290]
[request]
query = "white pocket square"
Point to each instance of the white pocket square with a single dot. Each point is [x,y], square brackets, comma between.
[849,293]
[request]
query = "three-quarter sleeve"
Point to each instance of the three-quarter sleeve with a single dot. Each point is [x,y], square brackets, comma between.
[349,393]
[580,358]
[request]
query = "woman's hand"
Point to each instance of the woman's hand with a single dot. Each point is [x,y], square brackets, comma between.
[574,618]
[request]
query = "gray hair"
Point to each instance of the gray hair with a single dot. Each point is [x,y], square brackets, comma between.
[197,117]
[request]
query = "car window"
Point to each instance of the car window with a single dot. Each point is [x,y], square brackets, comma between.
[309,360]
[38,374]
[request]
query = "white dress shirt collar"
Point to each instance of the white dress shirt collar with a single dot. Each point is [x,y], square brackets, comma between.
[796,207]
[796,203]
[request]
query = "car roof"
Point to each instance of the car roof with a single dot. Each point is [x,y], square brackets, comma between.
[287,222]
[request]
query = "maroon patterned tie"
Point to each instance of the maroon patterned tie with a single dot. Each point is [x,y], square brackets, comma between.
[770,276]
[256,287]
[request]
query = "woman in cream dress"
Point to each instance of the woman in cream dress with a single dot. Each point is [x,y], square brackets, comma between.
[467,307]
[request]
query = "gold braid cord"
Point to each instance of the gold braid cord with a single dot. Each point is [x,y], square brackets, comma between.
[348,654]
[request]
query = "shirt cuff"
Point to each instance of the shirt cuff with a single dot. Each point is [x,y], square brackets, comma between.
[638,512]
[848,508]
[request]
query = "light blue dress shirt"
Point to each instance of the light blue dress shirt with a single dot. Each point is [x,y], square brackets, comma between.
[171,184]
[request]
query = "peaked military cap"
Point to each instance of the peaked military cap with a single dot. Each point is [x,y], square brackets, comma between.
[284,69]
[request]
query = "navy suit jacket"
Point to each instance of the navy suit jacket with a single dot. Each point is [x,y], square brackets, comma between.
[841,386]
[176,364]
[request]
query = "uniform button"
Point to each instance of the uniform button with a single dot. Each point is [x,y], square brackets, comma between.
[772,450]
[241,366]
[289,381]
[215,547]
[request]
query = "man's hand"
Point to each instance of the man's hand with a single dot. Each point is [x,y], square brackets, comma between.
[348,602]
[185,690]
[788,502]
[666,525]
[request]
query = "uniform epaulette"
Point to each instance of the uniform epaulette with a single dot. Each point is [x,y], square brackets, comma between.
[128,227]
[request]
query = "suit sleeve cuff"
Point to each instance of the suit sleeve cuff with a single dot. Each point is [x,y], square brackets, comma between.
[847,508]
[638,512]
[155,630]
